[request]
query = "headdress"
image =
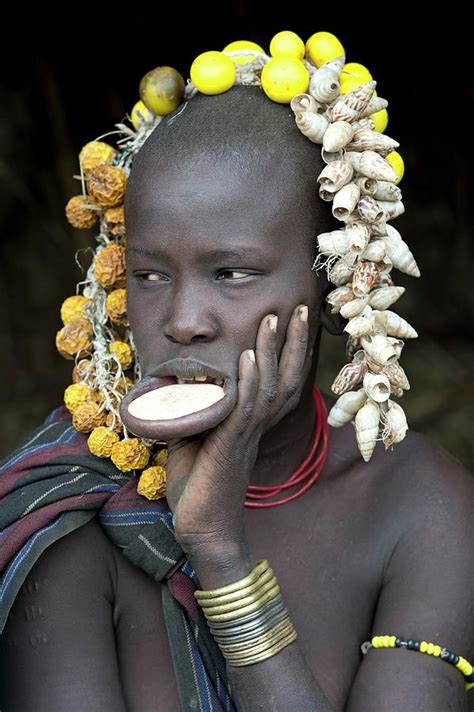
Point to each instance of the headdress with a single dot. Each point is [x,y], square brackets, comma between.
[336,105]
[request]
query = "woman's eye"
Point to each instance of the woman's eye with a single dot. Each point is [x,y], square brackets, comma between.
[153,277]
[231,271]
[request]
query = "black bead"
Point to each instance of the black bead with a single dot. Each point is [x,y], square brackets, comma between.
[470,678]
[411,644]
[398,642]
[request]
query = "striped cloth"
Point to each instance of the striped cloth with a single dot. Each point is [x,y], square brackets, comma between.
[51,484]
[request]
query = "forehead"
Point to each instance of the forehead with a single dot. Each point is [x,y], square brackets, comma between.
[212,204]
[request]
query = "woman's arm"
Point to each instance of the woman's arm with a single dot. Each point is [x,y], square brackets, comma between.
[58,650]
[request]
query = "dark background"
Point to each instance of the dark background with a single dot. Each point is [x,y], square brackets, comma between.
[68,77]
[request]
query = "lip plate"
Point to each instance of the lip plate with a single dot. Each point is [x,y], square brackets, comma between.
[184,425]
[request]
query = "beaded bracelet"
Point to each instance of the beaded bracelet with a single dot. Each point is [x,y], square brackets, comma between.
[422,646]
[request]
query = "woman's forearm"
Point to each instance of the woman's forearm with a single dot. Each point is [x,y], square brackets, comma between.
[281,682]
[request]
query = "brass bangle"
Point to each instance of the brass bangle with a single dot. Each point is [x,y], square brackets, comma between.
[266,654]
[264,637]
[237,595]
[239,602]
[257,627]
[272,606]
[260,567]
[236,614]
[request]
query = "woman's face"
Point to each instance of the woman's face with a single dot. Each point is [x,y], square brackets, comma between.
[211,249]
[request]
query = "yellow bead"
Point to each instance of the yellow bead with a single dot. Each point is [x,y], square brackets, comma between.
[392,640]
[140,114]
[386,640]
[162,90]
[75,394]
[212,72]
[356,70]
[287,44]
[380,119]
[423,646]
[375,641]
[396,161]
[437,650]
[243,44]
[283,77]
[430,648]
[322,47]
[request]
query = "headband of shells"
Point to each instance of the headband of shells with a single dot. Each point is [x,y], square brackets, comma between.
[335,104]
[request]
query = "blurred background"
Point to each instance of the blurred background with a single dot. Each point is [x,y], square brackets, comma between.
[67,83]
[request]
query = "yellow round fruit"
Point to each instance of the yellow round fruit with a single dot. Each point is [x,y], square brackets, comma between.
[380,119]
[283,77]
[243,44]
[140,114]
[322,47]
[162,90]
[396,161]
[287,44]
[212,72]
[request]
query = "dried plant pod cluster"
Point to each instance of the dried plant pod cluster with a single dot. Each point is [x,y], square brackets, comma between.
[359,185]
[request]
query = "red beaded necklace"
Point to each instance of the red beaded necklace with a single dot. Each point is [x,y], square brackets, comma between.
[305,469]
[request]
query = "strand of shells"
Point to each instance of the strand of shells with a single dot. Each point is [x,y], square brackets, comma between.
[359,257]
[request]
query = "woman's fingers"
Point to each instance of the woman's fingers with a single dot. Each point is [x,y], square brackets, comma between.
[293,354]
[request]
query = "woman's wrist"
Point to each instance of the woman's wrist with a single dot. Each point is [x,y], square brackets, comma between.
[217,566]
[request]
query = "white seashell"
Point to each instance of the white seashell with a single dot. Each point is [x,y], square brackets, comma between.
[340,273]
[345,201]
[395,325]
[377,386]
[324,85]
[364,277]
[349,376]
[346,407]
[399,253]
[386,190]
[312,125]
[348,107]
[352,346]
[391,209]
[326,195]
[379,348]
[335,175]
[369,209]
[374,252]
[354,307]
[337,136]
[384,297]
[374,105]
[384,266]
[306,102]
[367,428]
[331,156]
[397,391]
[367,186]
[338,297]
[397,344]
[379,228]
[368,140]
[334,242]
[396,375]
[358,236]
[370,164]
[360,326]
[364,123]
[395,424]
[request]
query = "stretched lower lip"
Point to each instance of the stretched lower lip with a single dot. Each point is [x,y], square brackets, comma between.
[179,427]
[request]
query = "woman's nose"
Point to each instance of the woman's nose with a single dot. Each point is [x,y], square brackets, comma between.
[190,322]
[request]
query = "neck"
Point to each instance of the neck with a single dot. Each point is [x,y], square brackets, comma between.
[283,448]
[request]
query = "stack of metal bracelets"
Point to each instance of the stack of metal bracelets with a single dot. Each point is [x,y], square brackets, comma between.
[248,618]
[422,646]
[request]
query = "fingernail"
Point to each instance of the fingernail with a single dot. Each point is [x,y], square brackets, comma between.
[303,313]
[272,322]
[251,355]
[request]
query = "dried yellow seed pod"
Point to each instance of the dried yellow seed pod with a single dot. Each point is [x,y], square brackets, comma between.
[130,454]
[123,352]
[109,267]
[96,153]
[152,482]
[78,215]
[114,217]
[116,305]
[75,394]
[81,370]
[106,185]
[75,338]
[101,441]
[117,426]
[161,458]
[74,307]
[87,416]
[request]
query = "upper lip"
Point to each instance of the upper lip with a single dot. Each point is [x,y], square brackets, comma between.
[187,368]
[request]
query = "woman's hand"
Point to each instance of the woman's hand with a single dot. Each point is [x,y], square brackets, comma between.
[208,474]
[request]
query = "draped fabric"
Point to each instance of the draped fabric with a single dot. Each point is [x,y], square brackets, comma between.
[51,484]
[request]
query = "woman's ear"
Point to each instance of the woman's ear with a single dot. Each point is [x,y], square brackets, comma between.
[333,323]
